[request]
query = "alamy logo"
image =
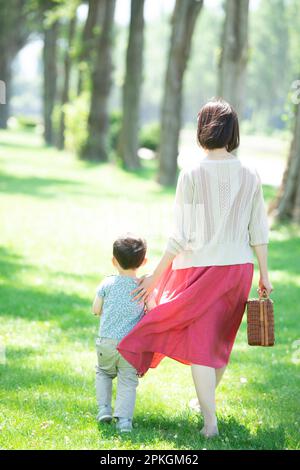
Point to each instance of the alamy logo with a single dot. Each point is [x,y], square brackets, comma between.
[2,92]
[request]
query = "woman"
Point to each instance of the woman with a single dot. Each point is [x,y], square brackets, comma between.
[204,277]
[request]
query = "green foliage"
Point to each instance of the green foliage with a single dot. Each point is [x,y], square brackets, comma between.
[200,81]
[76,115]
[269,79]
[27,122]
[115,125]
[76,120]
[150,136]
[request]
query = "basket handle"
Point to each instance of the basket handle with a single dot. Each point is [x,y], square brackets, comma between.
[263,294]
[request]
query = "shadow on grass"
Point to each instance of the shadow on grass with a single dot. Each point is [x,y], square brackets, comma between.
[178,431]
[34,186]
[147,172]
[10,264]
[16,375]
[183,432]
[50,188]
[71,313]
[24,146]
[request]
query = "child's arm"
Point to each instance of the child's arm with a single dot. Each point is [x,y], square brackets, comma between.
[99,298]
[97,305]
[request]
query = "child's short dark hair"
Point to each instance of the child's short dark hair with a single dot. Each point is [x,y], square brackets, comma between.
[218,126]
[130,251]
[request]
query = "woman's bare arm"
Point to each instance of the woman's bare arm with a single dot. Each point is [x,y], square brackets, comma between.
[148,283]
[261,252]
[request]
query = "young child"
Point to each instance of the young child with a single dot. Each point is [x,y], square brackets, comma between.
[119,314]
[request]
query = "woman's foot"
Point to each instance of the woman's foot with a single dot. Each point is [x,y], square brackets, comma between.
[210,431]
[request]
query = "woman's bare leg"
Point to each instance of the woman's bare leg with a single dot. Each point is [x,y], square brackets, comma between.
[219,374]
[194,403]
[205,383]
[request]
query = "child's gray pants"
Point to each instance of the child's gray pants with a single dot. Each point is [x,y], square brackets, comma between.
[110,365]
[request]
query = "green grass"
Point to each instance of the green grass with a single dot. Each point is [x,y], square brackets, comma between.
[58,218]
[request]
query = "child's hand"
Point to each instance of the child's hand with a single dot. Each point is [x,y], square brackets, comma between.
[97,306]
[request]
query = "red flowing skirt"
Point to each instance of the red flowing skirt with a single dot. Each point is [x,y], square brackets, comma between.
[196,320]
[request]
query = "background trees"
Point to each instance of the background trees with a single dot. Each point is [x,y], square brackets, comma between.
[14,32]
[234,53]
[50,72]
[286,205]
[183,23]
[128,143]
[111,86]
[88,39]
[67,76]
[96,145]
[270,63]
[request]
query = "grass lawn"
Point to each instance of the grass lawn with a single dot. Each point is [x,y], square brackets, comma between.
[58,217]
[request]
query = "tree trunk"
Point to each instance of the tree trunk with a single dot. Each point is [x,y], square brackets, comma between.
[128,145]
[234,53]
[183,24]
[286,206]
[50,76]
[96,147]
[95,13]
[14,31]
[5,76]
[66,84]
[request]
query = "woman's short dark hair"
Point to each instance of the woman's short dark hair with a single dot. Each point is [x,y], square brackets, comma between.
[130,251]
[218,126]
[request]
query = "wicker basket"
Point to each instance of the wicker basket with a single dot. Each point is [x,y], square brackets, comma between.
[260,321]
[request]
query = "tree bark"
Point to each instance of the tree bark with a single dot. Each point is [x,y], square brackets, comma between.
[96,147]
[183,24]
[286,206]
[5,76]
[234,53]
[14,31]
[128,145]
[50,78]
[95,13]
[66,84]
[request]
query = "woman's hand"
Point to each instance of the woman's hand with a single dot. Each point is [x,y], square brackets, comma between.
[146,286]
[147,283]
[264,284]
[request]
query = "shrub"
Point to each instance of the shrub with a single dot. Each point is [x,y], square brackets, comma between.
[150,136]
[76,119]
[27,122]
[115,124]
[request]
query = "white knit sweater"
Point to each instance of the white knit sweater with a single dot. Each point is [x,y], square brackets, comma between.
[219,214]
